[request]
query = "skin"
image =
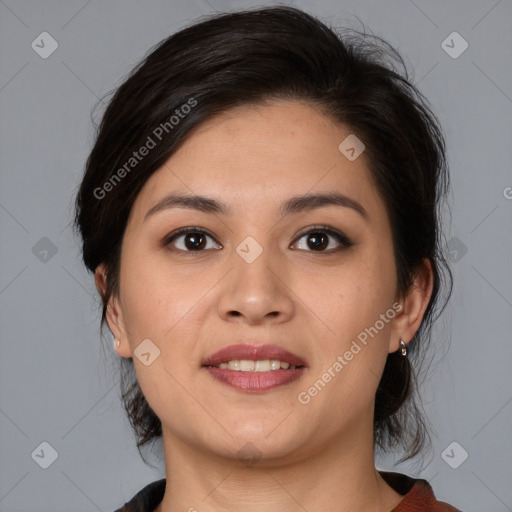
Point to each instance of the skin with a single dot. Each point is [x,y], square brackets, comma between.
[317,456]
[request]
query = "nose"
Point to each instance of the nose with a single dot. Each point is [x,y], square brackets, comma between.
[256,293]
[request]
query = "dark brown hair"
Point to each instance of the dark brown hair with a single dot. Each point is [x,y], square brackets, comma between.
[279,53]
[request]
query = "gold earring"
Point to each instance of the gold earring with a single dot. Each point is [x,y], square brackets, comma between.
[403,348]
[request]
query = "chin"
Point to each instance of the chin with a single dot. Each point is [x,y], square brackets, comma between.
[266,445]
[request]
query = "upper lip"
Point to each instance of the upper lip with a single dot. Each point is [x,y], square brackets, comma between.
[253,353]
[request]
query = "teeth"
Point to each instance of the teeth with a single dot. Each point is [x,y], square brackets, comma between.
[265,365]
[262,366]
[246,366]
[234,365]
[275,364]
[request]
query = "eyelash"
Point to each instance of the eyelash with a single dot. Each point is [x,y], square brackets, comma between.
[341,238]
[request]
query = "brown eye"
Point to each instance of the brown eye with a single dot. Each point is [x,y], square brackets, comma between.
[191,240]
[194,241]
[321,238]
[317,241]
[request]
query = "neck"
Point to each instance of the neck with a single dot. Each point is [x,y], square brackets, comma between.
[340,478]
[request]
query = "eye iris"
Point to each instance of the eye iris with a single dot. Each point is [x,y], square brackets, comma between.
[318,241]
[194,241]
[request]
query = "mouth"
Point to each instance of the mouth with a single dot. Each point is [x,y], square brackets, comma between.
[254,368]
[261,365]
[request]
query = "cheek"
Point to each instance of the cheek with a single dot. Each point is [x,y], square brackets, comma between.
[350,295]
[158,304]
[346,303]
[156,295]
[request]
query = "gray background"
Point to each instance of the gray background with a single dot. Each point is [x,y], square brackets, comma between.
[58,386]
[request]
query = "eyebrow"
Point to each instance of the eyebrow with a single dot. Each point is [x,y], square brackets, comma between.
[296,204]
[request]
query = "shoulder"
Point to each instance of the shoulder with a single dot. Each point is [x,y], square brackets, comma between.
[147,499]
[418,495]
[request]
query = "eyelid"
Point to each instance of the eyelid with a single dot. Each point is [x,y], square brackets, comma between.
[186,230]
[342,239]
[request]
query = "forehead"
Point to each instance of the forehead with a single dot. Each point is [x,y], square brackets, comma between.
[263,154]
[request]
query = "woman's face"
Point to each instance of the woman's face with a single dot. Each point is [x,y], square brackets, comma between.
[270,270]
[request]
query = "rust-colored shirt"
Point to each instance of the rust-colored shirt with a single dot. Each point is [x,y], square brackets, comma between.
[417,496]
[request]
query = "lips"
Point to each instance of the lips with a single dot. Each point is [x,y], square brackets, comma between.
[244,351]
[255,381]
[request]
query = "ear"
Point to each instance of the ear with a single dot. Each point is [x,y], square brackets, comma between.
[413,306]
[114,313]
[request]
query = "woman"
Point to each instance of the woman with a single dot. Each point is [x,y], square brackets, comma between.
[261,212]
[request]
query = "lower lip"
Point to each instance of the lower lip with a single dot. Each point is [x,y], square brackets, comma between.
[255,381]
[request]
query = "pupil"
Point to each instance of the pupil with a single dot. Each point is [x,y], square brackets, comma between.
[318,241]
[194,241]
